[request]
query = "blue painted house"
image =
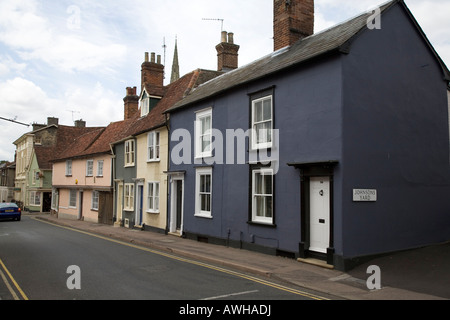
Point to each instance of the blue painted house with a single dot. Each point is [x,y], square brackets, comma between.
[333,147]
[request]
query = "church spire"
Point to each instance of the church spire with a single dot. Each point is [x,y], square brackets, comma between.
[175,66]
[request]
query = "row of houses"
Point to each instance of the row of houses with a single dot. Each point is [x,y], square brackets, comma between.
[336,146]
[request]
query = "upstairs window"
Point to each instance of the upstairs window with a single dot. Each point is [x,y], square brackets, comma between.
[100,168]
[68,167]
[153,146]
[148,103]
[129,153]
[262,123]
[203,134]
[90,168]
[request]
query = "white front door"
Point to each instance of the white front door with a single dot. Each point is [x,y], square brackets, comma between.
[319,214]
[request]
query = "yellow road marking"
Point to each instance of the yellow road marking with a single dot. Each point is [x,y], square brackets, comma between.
[24,296]
[173,257]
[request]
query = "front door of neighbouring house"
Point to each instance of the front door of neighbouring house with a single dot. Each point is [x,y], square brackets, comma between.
[319,214]
[80,209]
[179,200]
[120,202]
[176,203]
[140,205]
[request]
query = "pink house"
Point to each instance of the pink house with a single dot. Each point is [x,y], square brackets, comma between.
[82,177]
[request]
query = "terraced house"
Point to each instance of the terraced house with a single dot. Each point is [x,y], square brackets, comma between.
[34,151]
[82,177]
[347,147]
[141,154]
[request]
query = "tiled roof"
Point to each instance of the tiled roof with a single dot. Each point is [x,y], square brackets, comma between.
[65,137]
[335,39]
[174,92]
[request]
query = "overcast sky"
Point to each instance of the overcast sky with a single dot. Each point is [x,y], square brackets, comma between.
[73,59]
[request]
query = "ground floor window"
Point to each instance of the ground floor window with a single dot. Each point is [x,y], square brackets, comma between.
[35,198]
[262,195]
[73,199]
[203,192]
[129,197]
[153,197]
[95,197]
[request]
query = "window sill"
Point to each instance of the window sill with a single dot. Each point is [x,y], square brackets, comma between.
[203,215]
[152,212]
[262,224]
[154,161]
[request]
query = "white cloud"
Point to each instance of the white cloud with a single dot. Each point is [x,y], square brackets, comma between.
[24,28]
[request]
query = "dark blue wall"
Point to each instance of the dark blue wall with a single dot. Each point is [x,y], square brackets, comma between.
[396,140]
[307,104]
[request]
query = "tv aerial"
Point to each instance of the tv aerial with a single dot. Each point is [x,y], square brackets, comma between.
[220,20]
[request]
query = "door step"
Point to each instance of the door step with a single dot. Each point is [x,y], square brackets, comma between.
[316,262]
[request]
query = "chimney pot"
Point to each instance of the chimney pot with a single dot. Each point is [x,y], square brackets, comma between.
[146,57]
[158,59]
[227,53]
[153,57]
[231,38]
[224,37]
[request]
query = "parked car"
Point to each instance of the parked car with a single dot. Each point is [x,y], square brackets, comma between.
[10,211]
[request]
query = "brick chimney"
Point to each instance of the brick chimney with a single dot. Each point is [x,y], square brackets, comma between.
[227,53]
[152,75]
[80,124]
[293,20]
[131,103]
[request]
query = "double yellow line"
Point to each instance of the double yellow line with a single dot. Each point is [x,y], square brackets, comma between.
[198,263]
[7,277]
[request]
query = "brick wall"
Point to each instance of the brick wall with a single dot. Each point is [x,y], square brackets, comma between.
[293,20]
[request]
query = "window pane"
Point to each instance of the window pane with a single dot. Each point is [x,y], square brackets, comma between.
[208,183]
[268,207]
[257,110]
[267,112]
[206,143]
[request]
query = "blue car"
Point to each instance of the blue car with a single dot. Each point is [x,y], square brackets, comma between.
[10,211]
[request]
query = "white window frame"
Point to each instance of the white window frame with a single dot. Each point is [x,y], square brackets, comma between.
[95,200]
[100,166]
[256,195]
[199,211]
[35,198]
[128,203]
[145,105]
[201,134]
[153,197]
[55,199]
[69,168]
[89,168]
[153,146]
[73,201]
[255,133]
[130,153]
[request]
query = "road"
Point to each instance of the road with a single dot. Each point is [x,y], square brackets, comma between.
[39,261]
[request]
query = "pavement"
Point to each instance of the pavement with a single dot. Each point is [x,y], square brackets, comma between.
[420,274]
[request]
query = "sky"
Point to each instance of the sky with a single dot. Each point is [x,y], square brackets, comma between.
[73,59]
